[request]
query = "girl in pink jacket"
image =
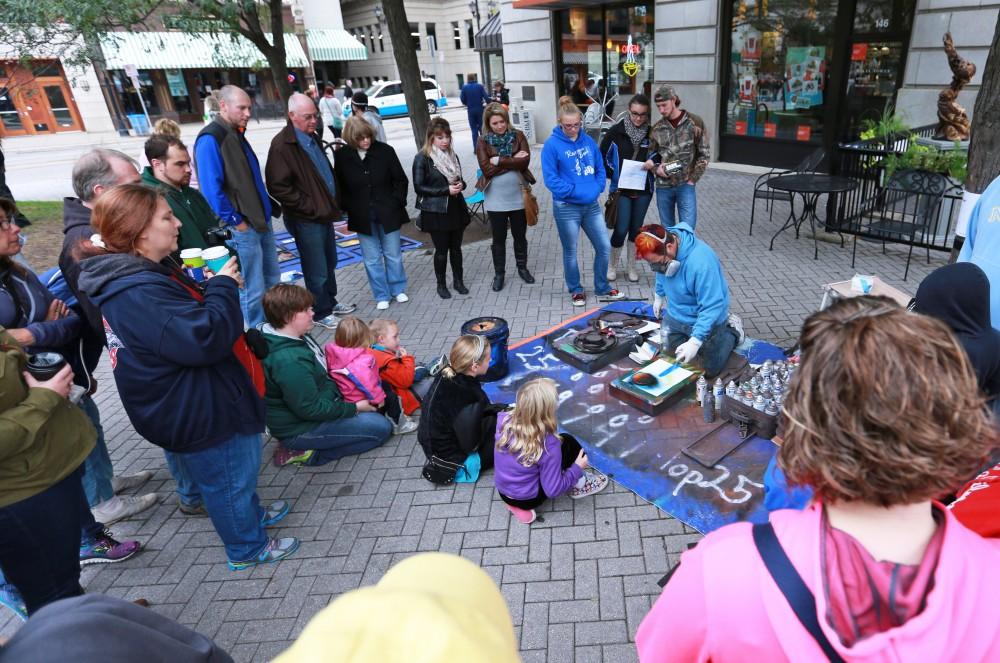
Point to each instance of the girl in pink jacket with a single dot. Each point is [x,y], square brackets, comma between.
[353,368]
[883,416]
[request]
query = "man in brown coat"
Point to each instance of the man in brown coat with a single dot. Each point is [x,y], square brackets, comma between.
[300,177]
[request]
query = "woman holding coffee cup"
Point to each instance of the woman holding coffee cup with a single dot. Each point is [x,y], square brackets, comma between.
[186,375]
[42,504]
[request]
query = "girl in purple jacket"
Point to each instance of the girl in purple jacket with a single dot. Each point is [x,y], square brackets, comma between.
[531,462]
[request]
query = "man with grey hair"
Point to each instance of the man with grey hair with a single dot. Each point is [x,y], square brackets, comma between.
[95,173]
[231,181]
[300,177]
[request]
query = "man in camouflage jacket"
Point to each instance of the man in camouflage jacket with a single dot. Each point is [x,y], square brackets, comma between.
[679,153]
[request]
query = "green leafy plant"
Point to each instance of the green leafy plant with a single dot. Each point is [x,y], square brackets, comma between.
[886,128]
[953,163]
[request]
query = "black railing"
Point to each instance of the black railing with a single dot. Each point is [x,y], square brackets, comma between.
[864,161]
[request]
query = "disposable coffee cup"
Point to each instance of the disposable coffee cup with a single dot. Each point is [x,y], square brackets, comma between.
[44,365]
[192,258]
[215,258]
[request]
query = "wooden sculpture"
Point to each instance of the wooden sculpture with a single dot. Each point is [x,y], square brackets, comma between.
[953,121]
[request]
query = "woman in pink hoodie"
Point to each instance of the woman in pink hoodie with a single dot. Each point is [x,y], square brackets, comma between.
[883,416]
[355,371]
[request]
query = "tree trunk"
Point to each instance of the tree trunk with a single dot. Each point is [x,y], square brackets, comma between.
[277,57]
[409,68]
[984,143]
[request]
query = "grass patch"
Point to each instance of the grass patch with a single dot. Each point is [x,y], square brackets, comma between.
[44,235]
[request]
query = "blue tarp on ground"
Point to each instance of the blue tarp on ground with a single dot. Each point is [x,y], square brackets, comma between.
[642,452]
[348,252]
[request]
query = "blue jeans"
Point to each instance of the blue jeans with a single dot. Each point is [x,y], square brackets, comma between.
[715,350]
[226,477]
[259,267]
[631,214]
[97,468]
[570,218]
[40,542]
[383,262]
[683,197]
[317,244]
[475,123]
[342,437]
[187,492]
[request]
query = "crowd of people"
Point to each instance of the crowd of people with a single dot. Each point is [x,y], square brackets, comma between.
[888,423]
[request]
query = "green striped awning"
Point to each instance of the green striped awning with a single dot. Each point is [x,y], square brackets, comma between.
[179,50]
[334,46]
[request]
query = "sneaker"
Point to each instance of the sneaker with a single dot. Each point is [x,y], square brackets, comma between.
[405,425]
[105,549]
[736,323]
[522,515]
[435,366]
[274,513]
[275,550]
[614,293]
[283,456]
[344,309]
[591,483]
[120,507]
[329,322]
[192,509]
[402,298]
[382,305]
[11,598]
[118,484]
[579,299]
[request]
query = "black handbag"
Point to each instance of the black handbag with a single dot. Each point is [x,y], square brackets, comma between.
[440,471]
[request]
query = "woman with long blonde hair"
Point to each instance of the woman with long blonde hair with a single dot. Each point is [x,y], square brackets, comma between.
[458,420]
[437,179]
[573,169]
[532,462]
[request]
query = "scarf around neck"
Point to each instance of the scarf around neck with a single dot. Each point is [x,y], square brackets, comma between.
[447,164]
[502,143]
[635,134]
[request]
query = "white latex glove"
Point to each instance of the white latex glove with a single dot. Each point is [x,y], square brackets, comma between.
[658,303]
[687,350]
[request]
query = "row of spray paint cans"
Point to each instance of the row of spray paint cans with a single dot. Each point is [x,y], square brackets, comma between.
[765,391]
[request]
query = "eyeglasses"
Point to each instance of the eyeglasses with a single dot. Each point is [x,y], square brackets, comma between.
[6,224]
[572,126]
[638,115]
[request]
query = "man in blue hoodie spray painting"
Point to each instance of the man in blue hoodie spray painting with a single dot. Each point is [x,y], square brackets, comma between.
[692,287]
[573,169]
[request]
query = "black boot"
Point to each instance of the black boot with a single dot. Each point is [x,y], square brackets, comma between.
[460,286]
[443,292]
[498,282]
[521,258]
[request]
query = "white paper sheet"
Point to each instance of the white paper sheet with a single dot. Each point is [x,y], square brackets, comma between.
[633,177]
[667,373]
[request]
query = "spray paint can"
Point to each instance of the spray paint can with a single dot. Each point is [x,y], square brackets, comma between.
[718,392]
[731,389]
[708,408]
[701,389]
[759,403]
[771,409]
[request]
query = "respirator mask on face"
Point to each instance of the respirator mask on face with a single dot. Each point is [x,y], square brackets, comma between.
[669,268]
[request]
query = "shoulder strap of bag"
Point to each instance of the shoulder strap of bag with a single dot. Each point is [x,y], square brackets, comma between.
[788,580]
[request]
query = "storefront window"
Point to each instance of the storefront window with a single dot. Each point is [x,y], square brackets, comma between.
[606,54]
[779,69]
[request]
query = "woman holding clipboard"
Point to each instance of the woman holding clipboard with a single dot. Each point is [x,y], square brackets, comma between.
[625,210]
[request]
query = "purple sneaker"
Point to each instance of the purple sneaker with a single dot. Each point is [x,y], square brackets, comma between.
[105,549]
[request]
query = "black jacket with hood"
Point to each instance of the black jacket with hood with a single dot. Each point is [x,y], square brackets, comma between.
[959,296]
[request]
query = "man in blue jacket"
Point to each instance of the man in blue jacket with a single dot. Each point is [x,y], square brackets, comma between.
[982,244]
[230,179]
[690,283]
[475,97]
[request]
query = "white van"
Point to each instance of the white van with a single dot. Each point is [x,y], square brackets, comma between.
[387,97]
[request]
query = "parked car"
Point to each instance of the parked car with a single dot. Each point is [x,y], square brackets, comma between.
[387,97]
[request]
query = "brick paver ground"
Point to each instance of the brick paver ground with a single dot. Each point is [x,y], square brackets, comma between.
[577,585]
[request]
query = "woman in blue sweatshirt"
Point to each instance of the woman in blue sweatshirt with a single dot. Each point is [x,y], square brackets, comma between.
[574,172]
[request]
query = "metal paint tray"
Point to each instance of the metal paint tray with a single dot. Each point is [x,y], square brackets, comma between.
[624,390]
